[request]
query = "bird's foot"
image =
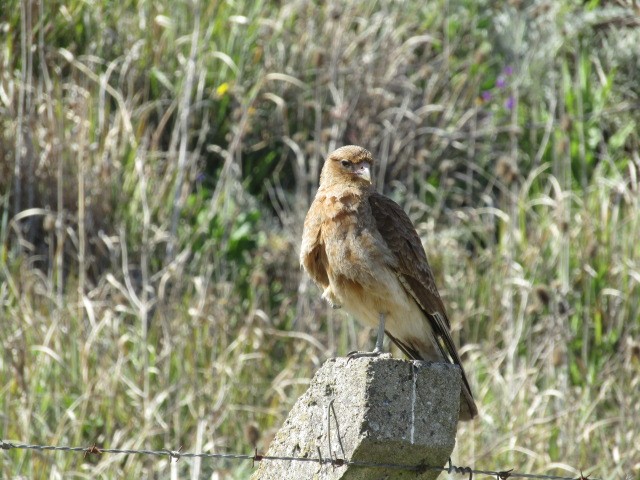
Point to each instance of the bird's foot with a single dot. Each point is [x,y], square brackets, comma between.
[374,354]
[377,351]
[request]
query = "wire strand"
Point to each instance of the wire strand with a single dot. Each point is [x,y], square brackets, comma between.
[177,454]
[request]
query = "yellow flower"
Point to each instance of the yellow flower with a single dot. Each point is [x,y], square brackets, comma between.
[222,89]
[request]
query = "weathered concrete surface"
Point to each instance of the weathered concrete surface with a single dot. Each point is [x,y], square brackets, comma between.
[386,411]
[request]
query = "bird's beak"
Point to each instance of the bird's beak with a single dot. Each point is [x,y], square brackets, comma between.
[364,170]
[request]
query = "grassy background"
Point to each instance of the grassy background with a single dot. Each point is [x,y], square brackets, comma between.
[156,163]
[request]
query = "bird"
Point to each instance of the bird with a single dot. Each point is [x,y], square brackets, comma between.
[363,252]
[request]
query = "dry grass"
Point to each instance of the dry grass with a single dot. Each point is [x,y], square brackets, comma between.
[156,161]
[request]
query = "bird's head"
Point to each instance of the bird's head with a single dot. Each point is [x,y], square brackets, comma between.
[350,165]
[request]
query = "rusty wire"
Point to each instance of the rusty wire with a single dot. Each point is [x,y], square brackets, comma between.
[336,462]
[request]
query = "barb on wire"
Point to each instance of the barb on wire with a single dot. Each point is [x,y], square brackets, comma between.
[453,468]
[177,454]
[174,454]
[256,457]
[504,474]
[92,450]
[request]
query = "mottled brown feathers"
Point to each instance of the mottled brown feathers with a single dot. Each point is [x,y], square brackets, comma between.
[362,250]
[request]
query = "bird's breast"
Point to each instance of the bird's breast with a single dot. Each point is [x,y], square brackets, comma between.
[352,249]
[357,257]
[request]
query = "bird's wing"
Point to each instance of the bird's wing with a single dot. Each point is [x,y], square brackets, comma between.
[414,272]
[412,265]
[312,254]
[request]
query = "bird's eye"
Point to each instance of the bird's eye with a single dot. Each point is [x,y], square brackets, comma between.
[345,163]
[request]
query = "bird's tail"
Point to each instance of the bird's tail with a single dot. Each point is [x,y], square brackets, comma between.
[468,408]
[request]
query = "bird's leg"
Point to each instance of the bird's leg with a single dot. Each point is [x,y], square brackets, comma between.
[380,338]
[377,351]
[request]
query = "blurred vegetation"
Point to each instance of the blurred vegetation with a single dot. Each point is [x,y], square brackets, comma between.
[156,163]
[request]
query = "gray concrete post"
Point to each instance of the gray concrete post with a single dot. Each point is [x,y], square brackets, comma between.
[370,410]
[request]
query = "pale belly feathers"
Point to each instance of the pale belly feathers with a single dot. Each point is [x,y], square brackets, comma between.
[364,284]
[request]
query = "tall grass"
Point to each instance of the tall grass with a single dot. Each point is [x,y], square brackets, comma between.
[156,162]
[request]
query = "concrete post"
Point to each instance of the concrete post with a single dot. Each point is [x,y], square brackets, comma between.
[387,411]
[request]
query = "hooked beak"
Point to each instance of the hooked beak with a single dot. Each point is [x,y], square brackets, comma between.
[364,170]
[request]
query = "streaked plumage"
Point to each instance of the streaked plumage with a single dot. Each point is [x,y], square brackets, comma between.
[362,250]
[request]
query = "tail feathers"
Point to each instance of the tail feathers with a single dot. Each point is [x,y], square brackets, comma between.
[468,408]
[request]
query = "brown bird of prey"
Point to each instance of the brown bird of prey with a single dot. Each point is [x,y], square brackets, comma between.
[362,250]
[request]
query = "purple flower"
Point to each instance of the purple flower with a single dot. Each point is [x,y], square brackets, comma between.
[508,70]
[486,95]
[510,103]
[501,82]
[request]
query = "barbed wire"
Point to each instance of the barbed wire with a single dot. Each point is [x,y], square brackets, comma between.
[335,462]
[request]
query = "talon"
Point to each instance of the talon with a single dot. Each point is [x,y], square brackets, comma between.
[374,354]
[377,351]
[365,354]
